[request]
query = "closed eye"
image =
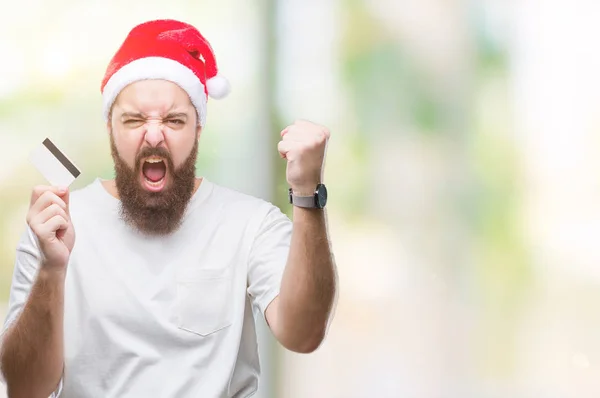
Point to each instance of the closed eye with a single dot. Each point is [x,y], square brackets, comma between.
[133,122]
[176,122]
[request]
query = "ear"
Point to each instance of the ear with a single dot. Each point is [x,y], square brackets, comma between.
[198,132]
[109,127]
[109,123]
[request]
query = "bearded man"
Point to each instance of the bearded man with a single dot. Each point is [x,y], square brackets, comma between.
[148,285]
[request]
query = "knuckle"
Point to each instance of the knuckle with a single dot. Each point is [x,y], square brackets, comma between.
[32,219]
[36,192]
[46,195]
[36,229]
[55,200]
[39,189]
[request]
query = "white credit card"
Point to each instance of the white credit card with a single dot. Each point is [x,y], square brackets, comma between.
[54,165]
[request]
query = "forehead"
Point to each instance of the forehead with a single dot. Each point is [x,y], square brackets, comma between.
[153,97]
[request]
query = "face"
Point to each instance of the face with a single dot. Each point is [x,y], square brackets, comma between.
[154,142]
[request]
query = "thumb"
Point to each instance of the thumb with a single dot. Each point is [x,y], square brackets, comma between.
[284,148]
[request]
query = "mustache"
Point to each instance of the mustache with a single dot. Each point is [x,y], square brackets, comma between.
[150,151]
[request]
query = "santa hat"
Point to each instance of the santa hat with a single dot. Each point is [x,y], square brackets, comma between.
[169,50]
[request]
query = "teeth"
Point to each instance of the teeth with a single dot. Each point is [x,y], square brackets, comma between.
[154,160]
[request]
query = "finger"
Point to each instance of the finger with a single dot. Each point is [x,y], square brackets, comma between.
[285,147]
[65,196]
[303,135]
[48,213]
[39,190]
[47,199]
[48,229]
[298,125]
[295,133]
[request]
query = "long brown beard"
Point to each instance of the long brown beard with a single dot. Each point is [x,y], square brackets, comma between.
[154,213]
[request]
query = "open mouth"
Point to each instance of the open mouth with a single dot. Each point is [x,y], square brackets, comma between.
[154,171]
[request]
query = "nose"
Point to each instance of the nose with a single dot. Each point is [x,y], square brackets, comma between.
[154,133]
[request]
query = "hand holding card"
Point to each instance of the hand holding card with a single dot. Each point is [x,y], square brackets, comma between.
[50,220]
[49,217]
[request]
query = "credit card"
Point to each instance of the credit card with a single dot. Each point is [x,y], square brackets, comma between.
[54,165]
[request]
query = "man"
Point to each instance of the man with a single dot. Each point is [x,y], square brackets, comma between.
[145,286]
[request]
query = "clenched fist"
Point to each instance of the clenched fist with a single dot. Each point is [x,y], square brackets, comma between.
[303,144]
[50,221]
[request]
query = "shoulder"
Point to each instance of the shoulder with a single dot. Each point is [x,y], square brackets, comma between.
[90,196]
[233,197]
[237,201]
[84,192]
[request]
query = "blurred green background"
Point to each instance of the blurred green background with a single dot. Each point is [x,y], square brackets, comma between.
[462,171]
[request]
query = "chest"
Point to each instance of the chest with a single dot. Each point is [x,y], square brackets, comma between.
[166,293]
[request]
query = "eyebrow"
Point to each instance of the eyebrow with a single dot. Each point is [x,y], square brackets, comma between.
[174,115]
[132,115]
[137,115]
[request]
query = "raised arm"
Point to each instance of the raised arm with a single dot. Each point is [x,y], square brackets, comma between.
[300,315]
[31,356]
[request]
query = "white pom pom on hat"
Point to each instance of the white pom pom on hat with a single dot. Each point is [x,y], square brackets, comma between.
[218,87]
[166,49]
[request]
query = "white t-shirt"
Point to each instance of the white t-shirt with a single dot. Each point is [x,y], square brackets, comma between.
[164,317]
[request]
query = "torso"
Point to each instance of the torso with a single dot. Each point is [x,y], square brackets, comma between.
[168,317]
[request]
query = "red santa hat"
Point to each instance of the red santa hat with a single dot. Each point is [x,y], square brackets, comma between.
[169,50]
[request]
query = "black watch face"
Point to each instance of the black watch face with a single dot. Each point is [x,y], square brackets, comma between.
[321,196]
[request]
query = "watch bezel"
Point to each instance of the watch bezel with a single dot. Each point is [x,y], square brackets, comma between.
[320,196]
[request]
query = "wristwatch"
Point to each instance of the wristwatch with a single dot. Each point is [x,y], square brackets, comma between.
[317,200]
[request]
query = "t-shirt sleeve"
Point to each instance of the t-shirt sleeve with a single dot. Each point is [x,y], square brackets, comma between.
[268,257]
[27,263]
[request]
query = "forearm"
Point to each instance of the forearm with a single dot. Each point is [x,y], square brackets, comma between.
[308,287]
[32,351]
